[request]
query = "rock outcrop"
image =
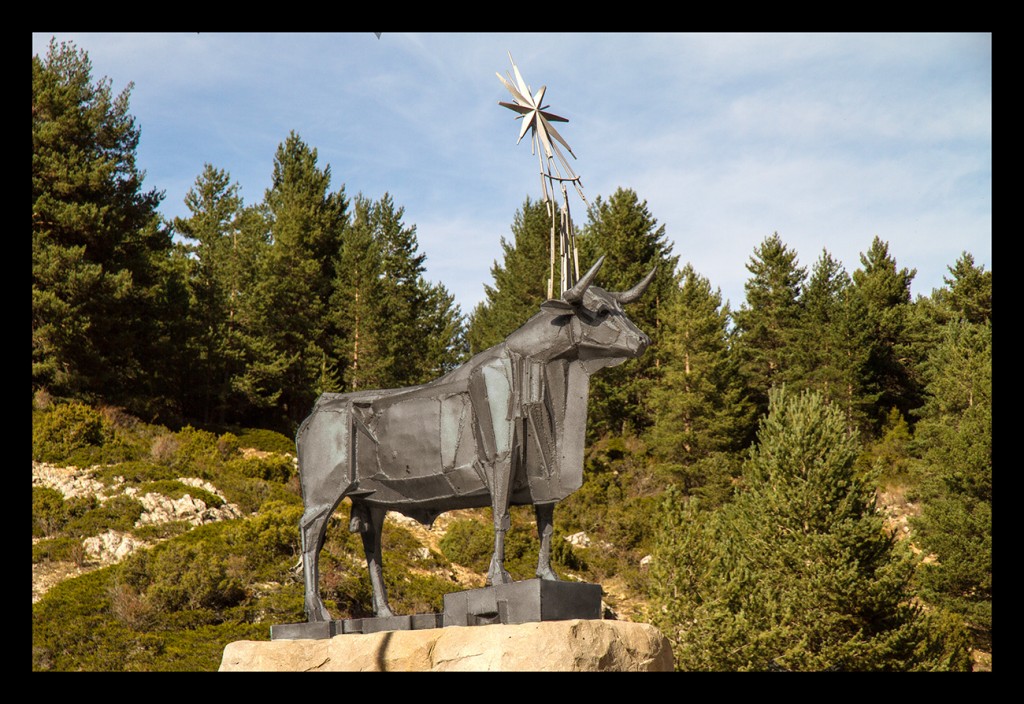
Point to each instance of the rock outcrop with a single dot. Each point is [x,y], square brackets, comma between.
[547,646]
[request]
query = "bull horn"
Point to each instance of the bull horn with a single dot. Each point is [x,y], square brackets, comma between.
[635,292]
[575,294]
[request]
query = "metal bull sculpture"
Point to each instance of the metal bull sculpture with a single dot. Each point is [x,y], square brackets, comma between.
[505,428]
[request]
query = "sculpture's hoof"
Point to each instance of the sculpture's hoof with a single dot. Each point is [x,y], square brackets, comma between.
[503,577]
[548,574]
[318,613]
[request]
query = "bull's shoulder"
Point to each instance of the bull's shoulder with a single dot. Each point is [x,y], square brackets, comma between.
[332,401]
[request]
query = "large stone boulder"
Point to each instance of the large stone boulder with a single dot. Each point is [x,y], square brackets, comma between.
[554,646]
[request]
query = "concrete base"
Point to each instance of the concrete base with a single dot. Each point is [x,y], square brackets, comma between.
[328,629]
[528,601]
[523,602]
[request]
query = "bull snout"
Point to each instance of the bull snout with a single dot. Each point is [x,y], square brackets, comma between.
[643,342]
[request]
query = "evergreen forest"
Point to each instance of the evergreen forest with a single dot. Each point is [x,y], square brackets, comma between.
[744,478]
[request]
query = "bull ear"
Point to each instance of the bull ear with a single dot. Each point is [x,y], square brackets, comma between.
[635,292]
[557,306]
[575,294]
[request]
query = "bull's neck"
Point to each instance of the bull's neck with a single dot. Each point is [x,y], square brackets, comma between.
[540,340]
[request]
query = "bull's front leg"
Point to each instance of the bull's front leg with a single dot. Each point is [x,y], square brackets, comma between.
[500,490]
[369,523]
[545,529]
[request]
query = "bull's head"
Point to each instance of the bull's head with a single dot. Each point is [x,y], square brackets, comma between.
[587,323]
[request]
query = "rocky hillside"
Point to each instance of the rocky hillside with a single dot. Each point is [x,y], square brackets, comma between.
[113,546]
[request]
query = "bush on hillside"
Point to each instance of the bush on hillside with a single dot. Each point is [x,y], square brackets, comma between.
[196,454]
[468,543]
[267,441]
[58,550]
[48,512]
[64,429]
[118,513]
[273,468]
[74,434]
[249,494]
[269,540]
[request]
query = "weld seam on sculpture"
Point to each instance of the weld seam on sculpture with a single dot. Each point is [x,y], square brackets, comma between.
[505,428]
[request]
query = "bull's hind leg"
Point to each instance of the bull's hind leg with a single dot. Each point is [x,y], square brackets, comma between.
[369,522]
[545,529]
[313,527]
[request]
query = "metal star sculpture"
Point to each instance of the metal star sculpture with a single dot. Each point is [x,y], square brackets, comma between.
[538,121]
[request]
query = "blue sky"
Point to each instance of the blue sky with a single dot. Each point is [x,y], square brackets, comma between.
[827,139]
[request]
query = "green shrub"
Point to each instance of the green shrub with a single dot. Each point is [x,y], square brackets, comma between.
[120,618]
[193,576]
[58,433]
[197,452]
[563,555]
[344,580]
[68,630]
[201,648]
[468,543]
[267,441]
[80,505]
[51,512]
[119,513]
[228,445]
[412,593]
[273,468]
[268,537]
[522,546]
[161,531]
[286,604]
[48,512]
[249,494]
[402,545]
[58,550]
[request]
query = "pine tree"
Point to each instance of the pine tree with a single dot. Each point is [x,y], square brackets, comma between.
[396,329]
[799,571]
[697,405]
[520,280]
[768,321]
[885,293]
[954,436]
[833,343]
[98,249]
[968,292]
[623,231]
[215,206]
[356,305]
[422,323]
[254,367]
[306,222]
